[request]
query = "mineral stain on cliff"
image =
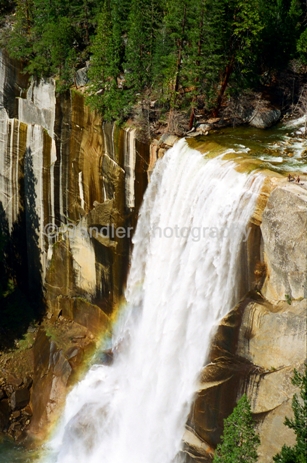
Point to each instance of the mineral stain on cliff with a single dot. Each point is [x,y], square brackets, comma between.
[63,174]
[60,165]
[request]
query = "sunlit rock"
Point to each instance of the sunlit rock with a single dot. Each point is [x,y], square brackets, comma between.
[284,230]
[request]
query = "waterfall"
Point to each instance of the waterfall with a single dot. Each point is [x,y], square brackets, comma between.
[185,276]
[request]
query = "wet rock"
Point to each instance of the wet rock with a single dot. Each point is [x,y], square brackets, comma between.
[75,356]
[268,185]
[255,350]
[62,367]
[72,352]
[216,396]
[113,175]
[196,134]
[51,375]
[88,315]
[195,449]
[101,163]
[105,358]
[168,140]
[20,398]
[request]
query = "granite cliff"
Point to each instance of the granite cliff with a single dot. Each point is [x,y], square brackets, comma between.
[72,176]
[68,184]
[261,341]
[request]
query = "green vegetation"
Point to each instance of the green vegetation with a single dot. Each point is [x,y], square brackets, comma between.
[181,54]
[239,441]
[288,299]
[298,453]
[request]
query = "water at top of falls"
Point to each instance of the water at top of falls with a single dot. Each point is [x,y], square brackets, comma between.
[185,275]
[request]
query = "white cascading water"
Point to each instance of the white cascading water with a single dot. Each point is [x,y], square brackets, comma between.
[134,411]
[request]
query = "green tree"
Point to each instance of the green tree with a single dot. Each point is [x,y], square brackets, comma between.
[233,28]
[53,49]
[175,57]
[239,441]
[106,91]
[20,41]
[302,46]
[298,453]
[52,36]
[283,23]
[144,17]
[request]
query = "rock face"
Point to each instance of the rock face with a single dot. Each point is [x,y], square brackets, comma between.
[69,183]
[261,341]
[51,376]
[15,411]
[285,244]
[70,189]
[66,180]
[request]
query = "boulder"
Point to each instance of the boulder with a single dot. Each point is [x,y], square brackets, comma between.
[168,140]
[81,77]
[20,398]
[265,117]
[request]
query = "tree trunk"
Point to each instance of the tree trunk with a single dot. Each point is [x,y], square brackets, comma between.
[179,57]
[191,118]
[227,74]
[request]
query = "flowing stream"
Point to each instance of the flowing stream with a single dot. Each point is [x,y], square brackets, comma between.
[185,275]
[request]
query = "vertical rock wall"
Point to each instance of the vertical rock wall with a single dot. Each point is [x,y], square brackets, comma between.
[260,342]
[70,190]
[75,180]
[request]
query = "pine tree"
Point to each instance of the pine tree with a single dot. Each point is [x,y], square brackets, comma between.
[175,41]
[283,24]
[298,453]
[239,441]
[20,42]
[144,17]
[108,47]
[234,29]
[302,46]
